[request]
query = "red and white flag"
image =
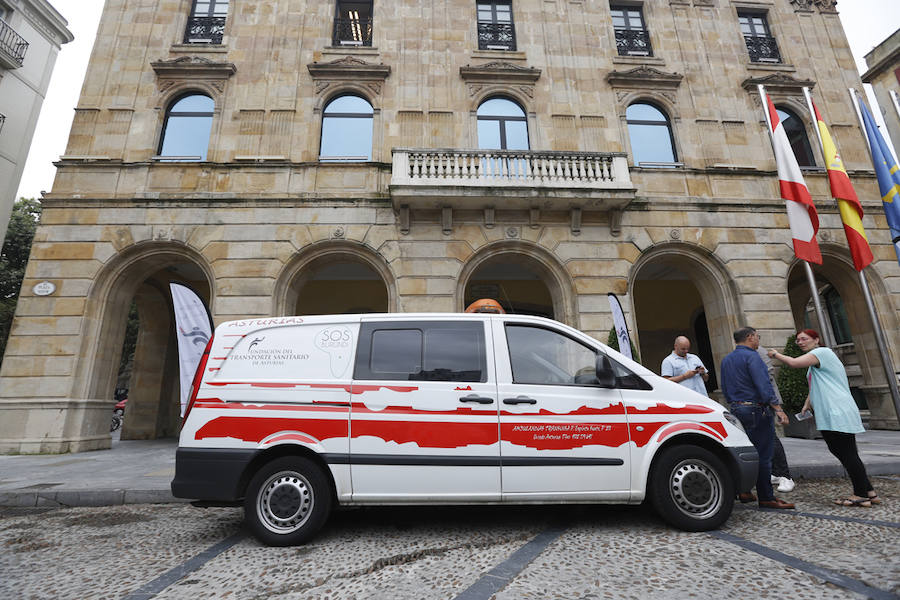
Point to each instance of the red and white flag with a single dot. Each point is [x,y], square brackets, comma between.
[801,211]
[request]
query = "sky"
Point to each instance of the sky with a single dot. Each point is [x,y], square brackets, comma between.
[866,22]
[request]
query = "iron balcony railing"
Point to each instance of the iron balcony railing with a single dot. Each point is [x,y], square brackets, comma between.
[496,36]
[633,42]
[12,45]
[762,49]
[204,30]
[509,168]
[352,32]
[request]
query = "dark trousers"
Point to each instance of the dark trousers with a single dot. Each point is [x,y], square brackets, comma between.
[843,446]
[760,427]
[780,466]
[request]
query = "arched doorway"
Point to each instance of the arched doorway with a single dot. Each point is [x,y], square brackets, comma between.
[525,280]
[138,349]
[847,319]
[335,278]
[680,290]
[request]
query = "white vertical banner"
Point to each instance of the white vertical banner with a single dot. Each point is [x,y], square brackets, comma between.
[194,328]
[619,323]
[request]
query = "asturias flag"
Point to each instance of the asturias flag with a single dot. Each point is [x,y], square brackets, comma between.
[848,203]
[802,216]
[888,176]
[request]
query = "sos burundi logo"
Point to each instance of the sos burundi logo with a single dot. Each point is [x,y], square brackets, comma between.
[337,343]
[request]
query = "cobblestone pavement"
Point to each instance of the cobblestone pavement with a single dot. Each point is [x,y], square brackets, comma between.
[175,551]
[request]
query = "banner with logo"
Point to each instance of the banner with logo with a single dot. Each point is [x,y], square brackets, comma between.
[621,327]
[194,327]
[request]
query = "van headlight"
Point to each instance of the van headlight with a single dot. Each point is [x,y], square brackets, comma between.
[733,420]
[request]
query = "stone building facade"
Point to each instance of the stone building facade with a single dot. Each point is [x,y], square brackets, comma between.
[883,73]
[31,34]
[543,152]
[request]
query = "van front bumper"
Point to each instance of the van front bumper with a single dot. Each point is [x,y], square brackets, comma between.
[746,459]
[210,474]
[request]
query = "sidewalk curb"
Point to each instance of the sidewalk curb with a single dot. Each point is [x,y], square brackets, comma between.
[70,498]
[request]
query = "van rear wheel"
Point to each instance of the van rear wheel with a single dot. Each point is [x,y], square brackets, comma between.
[287,501]
[691,489]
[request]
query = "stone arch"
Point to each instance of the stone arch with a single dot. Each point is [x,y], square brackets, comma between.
[301,268]
[679,267]
[140,273]
[524,255]
[861,357]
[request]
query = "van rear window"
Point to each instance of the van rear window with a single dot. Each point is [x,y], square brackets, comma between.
[422,351]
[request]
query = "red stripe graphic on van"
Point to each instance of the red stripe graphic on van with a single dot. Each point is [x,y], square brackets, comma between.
[255,429]
[664,409]
[689,426]
[352,389]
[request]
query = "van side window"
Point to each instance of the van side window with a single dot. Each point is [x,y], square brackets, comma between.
[628,380]
[396,351]
[422,351]
[543,356]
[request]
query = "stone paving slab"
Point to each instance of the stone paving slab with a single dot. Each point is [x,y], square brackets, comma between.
[436,553]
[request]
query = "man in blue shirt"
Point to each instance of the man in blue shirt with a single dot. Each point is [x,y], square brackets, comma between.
[752,399]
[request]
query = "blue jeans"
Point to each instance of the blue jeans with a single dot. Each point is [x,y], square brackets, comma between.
[760,427]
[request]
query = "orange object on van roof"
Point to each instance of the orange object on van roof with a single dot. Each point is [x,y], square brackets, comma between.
[485,305]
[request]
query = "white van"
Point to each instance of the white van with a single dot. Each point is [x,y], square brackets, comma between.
[296,415]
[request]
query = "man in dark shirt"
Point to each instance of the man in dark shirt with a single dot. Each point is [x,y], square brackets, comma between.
[752,399]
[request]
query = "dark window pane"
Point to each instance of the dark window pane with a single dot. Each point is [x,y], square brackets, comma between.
[795,129]
[349,104]
[186,136]
[645,112]
[542,356]
[187,127]
[194,104]
[397,351]
[454,354]
[651,143]
[516,135]
[346,138]
[500,107]
[489,135]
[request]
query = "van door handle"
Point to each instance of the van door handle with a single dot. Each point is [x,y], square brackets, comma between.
[519,400]
[476,399]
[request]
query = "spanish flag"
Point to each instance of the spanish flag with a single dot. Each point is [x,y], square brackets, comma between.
[848,203]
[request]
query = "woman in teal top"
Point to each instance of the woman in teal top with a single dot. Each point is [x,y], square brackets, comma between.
[837,416]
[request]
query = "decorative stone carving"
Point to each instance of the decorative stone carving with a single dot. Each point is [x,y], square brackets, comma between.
[186,70]
[193,68]
[644,77]
[349,70]
[499,74]
[824,6]
[779,83]
[500,71]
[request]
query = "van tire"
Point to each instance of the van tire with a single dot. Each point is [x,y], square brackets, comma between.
[691,488]
[287,501]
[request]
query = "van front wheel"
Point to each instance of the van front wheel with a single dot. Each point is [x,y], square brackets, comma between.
[691,489]
[287,501]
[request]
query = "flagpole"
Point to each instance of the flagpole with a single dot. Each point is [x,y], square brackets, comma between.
[880,341]
[826,327]
[810,278]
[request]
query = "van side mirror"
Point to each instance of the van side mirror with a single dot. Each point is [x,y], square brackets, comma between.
[606,377]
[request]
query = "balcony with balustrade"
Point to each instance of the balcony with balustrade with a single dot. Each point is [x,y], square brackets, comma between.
[12,47]
[510,179]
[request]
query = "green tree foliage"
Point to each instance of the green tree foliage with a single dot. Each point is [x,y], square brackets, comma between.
[612,341]
[792,382]
[26,214]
